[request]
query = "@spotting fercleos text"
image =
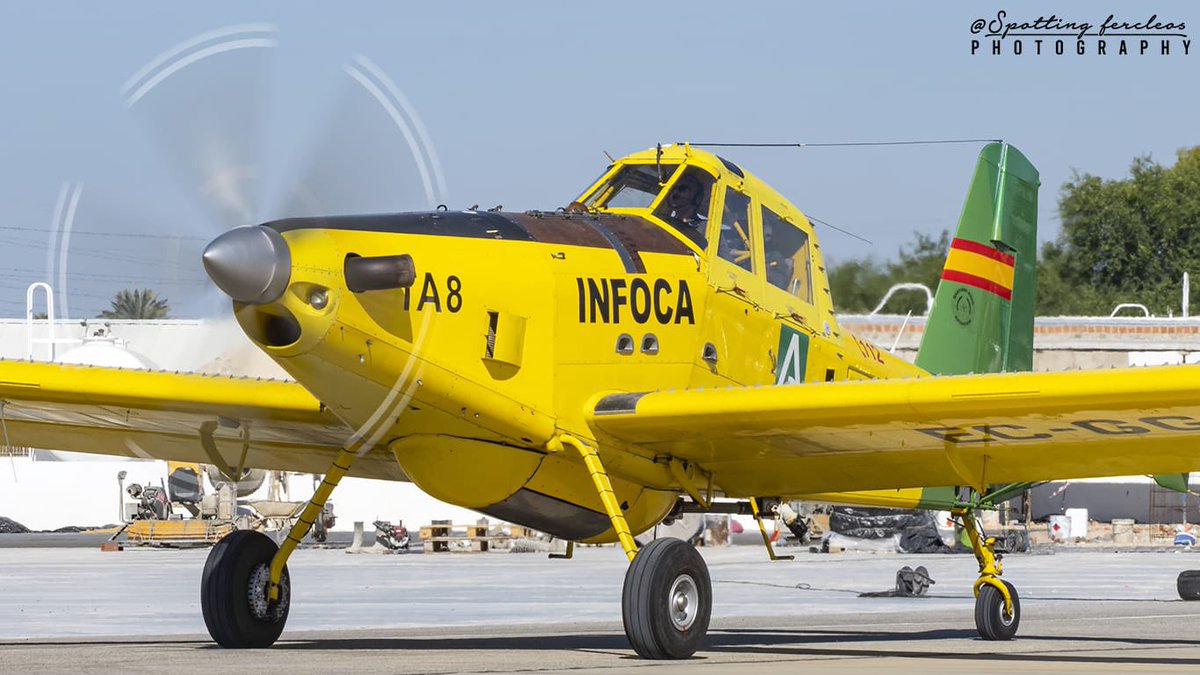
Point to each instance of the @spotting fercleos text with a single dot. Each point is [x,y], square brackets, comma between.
[1056,35]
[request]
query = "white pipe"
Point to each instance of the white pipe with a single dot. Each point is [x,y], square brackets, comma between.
[1130,305]
[29,341]
[1187,293]
[905,287]
[900,332]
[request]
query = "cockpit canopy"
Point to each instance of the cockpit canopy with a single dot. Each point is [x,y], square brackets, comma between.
[632,186]
[707,200]
[681,201]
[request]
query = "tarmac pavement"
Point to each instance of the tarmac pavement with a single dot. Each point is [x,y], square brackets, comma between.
[138,610]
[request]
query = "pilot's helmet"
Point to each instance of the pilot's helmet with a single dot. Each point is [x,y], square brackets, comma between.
[687,191]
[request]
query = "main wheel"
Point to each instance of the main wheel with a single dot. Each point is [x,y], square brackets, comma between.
[667,600]
[233,592]
[1188,584]
[992,622]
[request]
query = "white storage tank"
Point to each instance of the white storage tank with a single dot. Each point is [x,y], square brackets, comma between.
[101,348]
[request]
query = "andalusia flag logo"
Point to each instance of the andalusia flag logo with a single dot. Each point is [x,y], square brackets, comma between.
[793,356]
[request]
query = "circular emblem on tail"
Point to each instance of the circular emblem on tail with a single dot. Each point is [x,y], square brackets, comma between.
[964,306]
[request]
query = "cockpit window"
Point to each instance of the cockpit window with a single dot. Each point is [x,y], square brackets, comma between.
[633,186]
[734,241]
[686,205]
[787,256]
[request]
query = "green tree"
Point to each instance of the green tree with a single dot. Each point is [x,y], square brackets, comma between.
[921,262]
[858,285]
[1126,240]
[137,304]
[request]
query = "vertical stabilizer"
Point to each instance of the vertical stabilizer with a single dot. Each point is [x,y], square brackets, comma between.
[982,317]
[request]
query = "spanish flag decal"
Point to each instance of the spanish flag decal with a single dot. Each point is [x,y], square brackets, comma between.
[981,266]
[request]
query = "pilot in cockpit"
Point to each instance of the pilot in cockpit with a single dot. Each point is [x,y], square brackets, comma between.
[686,208]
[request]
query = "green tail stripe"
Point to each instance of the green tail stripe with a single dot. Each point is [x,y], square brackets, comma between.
[979,323]
[938,499]
[1172,481]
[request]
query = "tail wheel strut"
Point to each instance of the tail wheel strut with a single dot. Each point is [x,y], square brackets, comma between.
[997,605]
[992,619]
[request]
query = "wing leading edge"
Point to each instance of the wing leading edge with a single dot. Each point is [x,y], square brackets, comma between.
[933,431]
[161,415]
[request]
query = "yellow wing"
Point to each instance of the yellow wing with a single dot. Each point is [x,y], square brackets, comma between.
[934,431]
[264,424]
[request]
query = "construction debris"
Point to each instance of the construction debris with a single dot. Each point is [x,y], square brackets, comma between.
[910,583]
[10,526]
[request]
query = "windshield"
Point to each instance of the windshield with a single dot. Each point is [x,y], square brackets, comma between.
[633,186]
[686,205]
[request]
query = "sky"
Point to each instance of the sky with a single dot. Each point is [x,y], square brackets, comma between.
[518,103]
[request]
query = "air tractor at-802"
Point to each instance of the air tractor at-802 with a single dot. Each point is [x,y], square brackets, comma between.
[666,339]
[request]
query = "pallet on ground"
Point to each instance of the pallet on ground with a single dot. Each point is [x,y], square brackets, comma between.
[442,536]
[520,532]
[176,532]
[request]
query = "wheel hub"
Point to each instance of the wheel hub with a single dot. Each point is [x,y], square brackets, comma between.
[261,607]
[684,602]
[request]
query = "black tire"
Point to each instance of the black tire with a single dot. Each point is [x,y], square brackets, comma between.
[1188,584]
[990,619]
[225,593]
[662,568]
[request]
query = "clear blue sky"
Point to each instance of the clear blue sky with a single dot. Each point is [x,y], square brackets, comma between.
[521,100]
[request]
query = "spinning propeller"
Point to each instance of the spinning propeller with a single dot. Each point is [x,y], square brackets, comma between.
[229,125]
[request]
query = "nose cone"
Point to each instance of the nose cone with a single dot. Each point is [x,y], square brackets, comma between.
[251,264]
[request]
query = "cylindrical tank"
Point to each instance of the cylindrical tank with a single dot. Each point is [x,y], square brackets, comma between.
[251,480]
[100,348]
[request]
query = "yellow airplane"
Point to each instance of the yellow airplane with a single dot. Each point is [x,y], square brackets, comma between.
[666,339]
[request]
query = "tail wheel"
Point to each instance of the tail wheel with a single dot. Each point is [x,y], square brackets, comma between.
[233,592]
[667,600]
[991,620]
[1188,584]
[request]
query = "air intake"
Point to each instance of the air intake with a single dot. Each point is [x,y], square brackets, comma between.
[379,273]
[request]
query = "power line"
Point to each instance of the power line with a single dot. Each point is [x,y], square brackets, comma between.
[853,144]
[96,233]
[23,273]
[103,254]
[835,227]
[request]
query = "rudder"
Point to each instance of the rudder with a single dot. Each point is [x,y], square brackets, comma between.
[982,316]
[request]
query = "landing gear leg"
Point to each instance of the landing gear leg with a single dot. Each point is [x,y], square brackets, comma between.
[762,529]
[666,602]
[245,592]
[997,605]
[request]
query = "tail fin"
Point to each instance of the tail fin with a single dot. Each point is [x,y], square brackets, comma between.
[982,317]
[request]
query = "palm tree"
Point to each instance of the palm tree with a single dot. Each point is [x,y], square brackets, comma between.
[135,304]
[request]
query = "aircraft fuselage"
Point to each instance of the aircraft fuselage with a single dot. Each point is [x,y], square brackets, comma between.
[515,324]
